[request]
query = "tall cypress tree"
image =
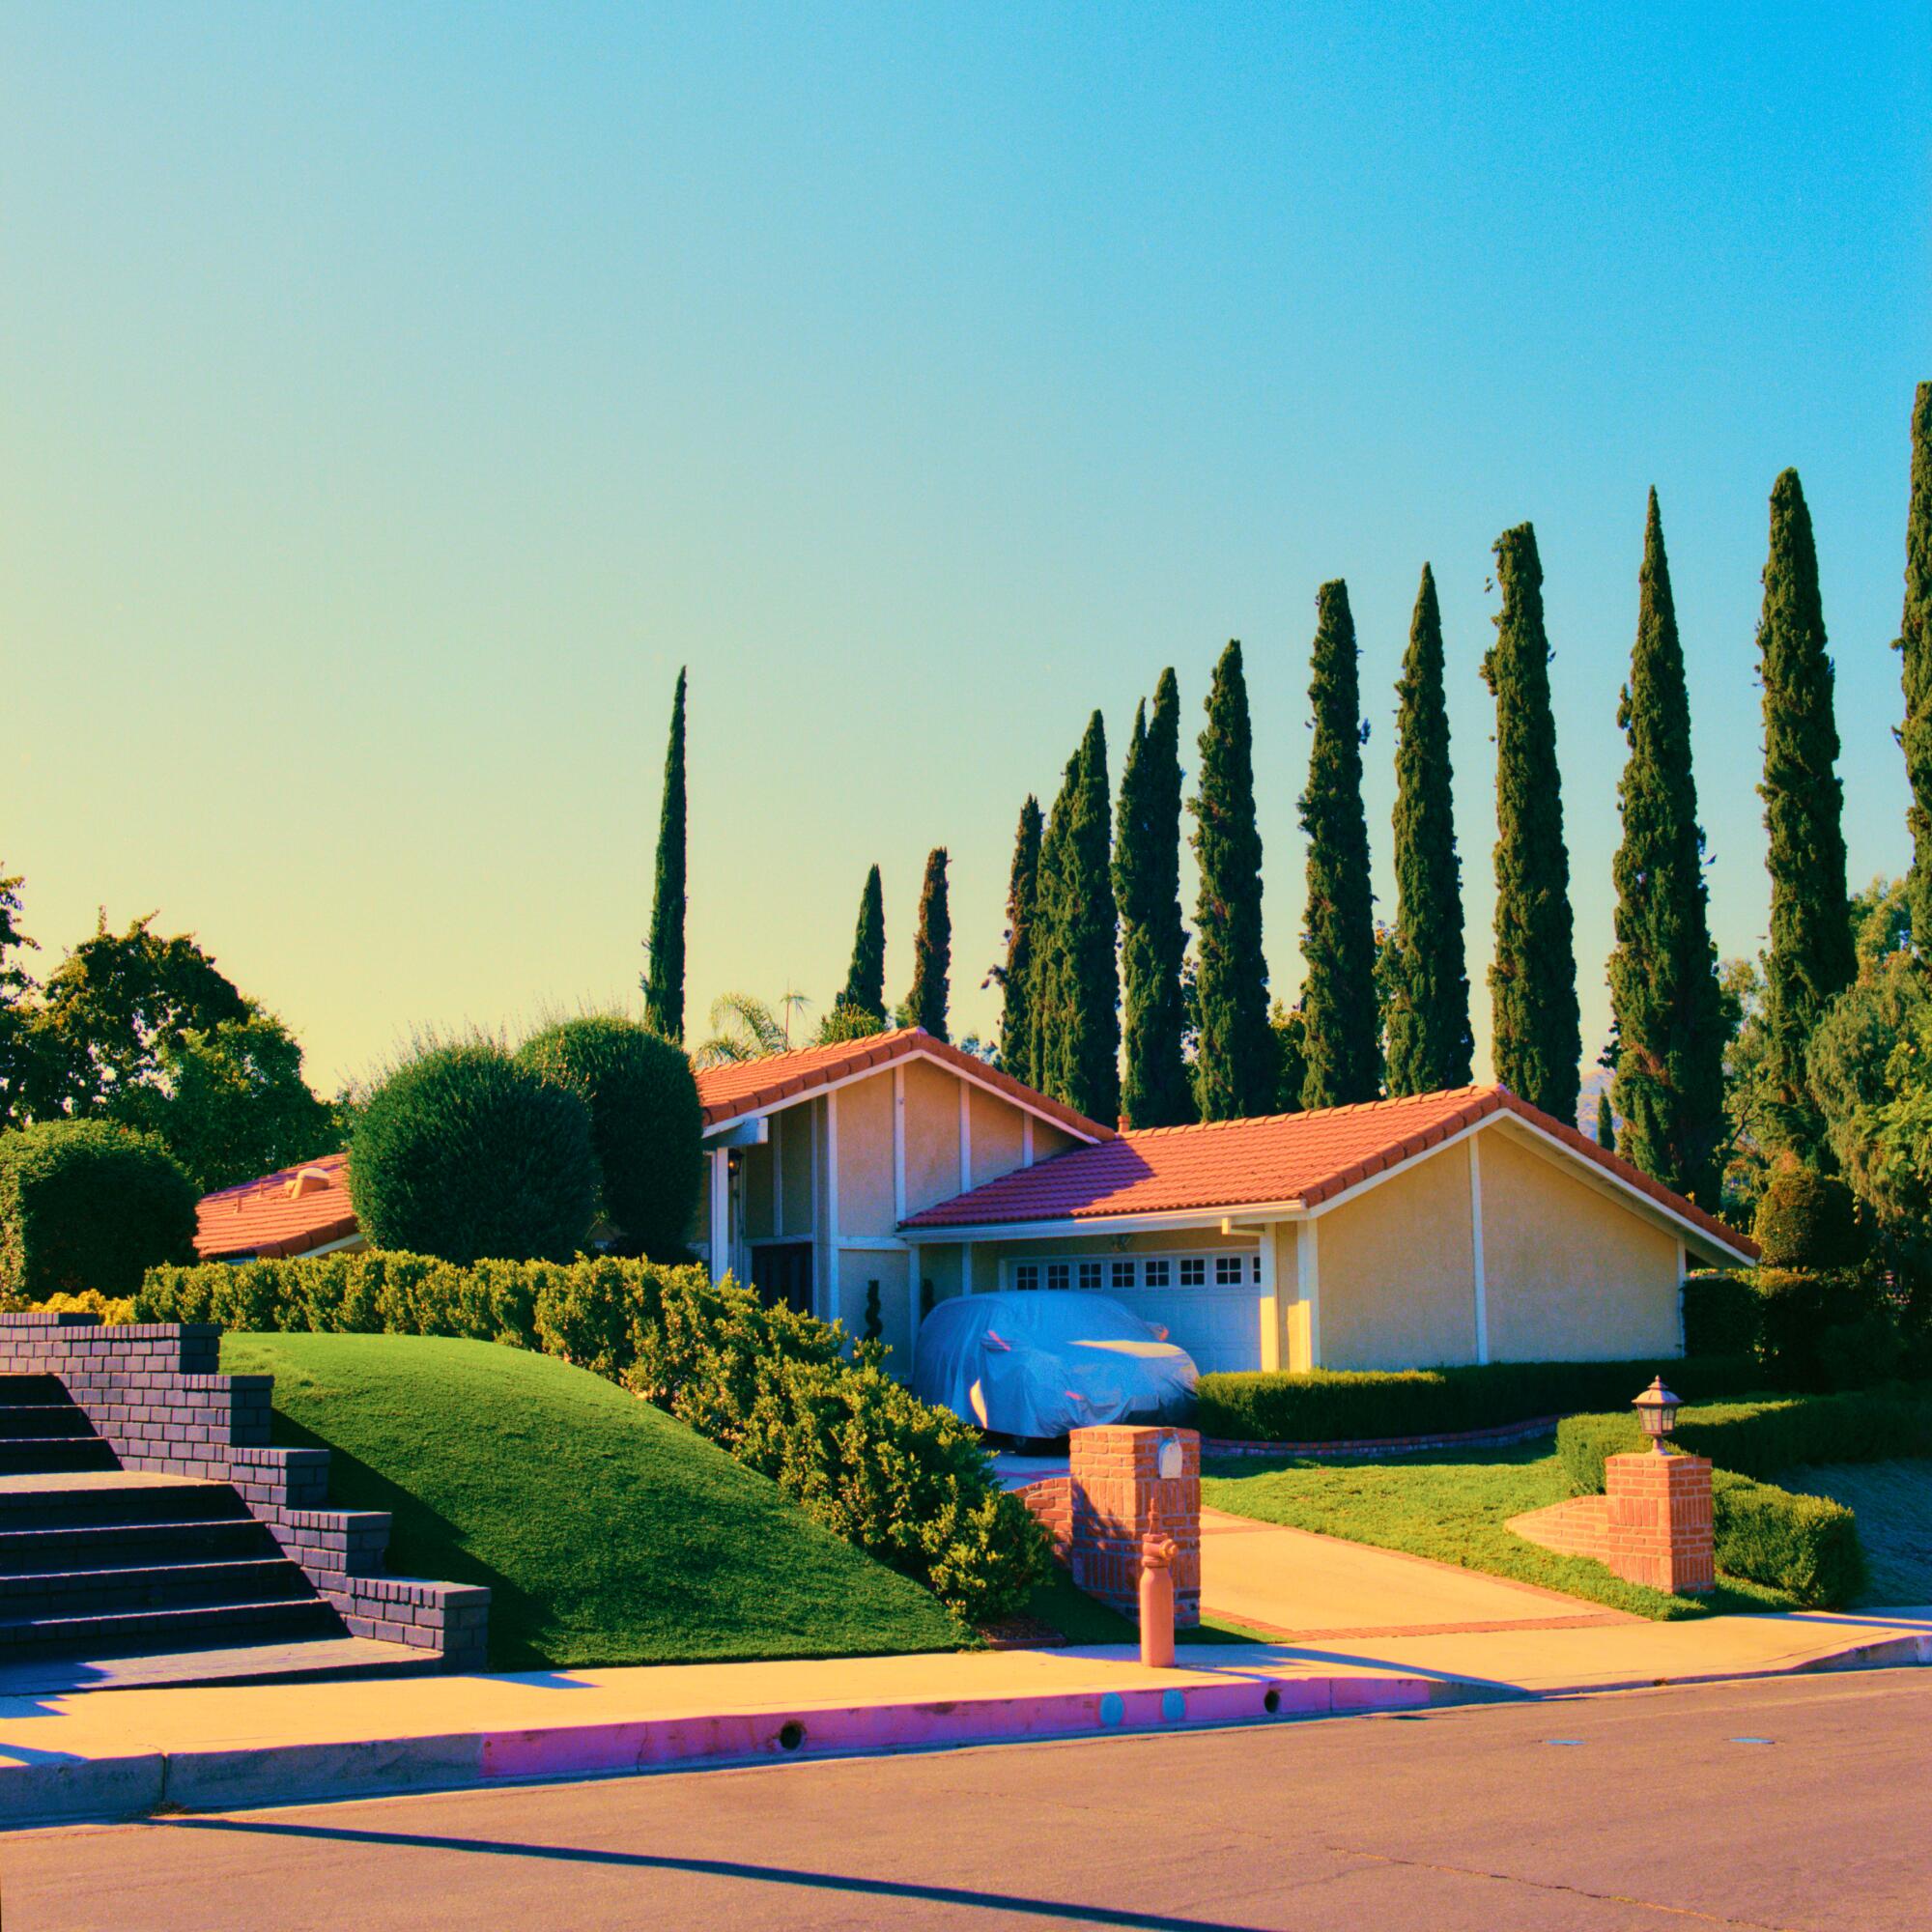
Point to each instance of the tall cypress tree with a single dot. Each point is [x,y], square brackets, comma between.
[1343,1044]
[864,988]
[1668,1084]
[1811,957]
[1606,1127]
[1914,643]
[1538,1030]
[1016,976]
[931,951]
[1237,1066]
[1147,886]
[664,967]
[1428,978]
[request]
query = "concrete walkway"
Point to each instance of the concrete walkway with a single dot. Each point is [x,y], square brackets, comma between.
[128,1752]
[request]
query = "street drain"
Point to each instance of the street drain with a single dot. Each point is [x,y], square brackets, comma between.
[791,1735]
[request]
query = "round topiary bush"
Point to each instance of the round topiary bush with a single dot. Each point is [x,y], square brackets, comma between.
[464,1154]
[88,1204]
[1807,1220]
[645,1122]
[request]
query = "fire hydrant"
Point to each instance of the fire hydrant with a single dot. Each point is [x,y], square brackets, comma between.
[1157,1554]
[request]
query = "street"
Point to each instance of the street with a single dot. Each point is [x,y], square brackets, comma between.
[1798,1803]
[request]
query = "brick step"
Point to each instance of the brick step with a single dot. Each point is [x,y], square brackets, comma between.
[45,1455]
[43,1419]
[248,1579]
[28,1551]
[31,1388]
[178,1628]
[56,1505]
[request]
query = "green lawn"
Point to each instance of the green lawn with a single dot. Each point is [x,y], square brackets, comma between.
[1451,1506]
[1892,1502]
[608,1532]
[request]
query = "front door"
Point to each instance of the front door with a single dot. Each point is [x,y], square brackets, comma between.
[782,1273]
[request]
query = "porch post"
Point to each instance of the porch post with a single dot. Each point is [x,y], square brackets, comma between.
[721,1213]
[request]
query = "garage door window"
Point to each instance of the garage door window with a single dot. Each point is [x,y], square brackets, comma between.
[1125,1275]
[1161,1273]
[1122,1274]
[1193,1272]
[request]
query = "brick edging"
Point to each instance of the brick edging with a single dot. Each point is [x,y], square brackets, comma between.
[1387,1445]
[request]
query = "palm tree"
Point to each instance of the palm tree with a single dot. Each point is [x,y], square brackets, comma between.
[744,1026]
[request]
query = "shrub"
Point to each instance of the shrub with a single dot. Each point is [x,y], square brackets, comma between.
[1797,1312]
[88,1204]
[906,1482]
[463,1154]
[1762,1438]
[1720,1315]
[1807,1220]
[645,1122]
[111,1309]
[1336,1406]
[1806,1546]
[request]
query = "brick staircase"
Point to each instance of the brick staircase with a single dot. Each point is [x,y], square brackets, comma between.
[149,1533]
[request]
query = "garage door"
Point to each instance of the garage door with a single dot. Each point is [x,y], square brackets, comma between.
[1220,1327]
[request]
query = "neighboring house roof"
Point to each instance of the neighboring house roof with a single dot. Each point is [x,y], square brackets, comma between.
[753,1086]
[285,1214]
[1299,1160]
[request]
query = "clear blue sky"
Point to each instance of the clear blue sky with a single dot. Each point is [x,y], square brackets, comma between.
[391,400]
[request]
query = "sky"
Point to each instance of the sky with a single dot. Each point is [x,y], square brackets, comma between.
[392,399]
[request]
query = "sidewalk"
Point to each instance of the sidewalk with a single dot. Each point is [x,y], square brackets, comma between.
[126,1753]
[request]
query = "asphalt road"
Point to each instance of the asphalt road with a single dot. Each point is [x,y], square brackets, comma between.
[1801,1802]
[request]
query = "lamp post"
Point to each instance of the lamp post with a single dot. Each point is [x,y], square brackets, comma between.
[1656,1410]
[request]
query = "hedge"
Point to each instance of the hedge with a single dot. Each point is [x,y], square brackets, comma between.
[1338,1406]
[908,1483]
[88,1204]
[1761,1438]
[1807,1546]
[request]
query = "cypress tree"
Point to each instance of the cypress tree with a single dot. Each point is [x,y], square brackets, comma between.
[1343,1044]
[664,973]
[1811,957]
[1914,643]
[931,951]
[1428,1042]
[1016,976]
[1147,885]
[1236,1065]
[1606,1127]
[1538,1031]
[1077,1004]
[864,988]
[1668,1015]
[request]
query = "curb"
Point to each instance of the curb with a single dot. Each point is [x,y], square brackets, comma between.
[62,1791]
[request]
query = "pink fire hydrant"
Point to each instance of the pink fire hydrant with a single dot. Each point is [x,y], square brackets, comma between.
[1157,1554]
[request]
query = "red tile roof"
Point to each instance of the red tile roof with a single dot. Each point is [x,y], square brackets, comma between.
[748,1086]
[285,1214]
[1300,1157]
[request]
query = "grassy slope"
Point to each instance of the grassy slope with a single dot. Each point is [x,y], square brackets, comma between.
[1451,1506]
[1892,1502]
[610,1533]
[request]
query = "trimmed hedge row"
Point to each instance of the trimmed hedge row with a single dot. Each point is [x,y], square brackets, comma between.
[1807,1546]
[1806,1328]
[908,1483]
[1761,1438]
[1339,1406]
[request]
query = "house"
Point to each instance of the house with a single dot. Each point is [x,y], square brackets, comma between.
[1455,1227]
[866,1182]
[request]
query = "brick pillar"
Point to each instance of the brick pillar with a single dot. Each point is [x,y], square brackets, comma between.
[1658,1522]
[1119,1497]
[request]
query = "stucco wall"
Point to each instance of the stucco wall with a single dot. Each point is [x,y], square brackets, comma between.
[996,1136]
[1397,1271]
[932,1135]
[754,1166]
[865,1155]
[1049,1140]
[1573,1274]
[794,1128]
[888,1268]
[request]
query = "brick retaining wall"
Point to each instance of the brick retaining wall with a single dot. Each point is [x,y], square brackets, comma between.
[1652,1526]
[152,1393]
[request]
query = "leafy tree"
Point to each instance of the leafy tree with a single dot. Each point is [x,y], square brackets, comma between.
[1669,1081]
[110,1010]
[1289,1029]
[1339,1008]
[1237,1068]
[1606,1127]
[1426,978]
[1811,959]
[230,1103]
[1016,976]
[1155,1091]
[1537,1045]
[645,1122]
[931,952]
[865,977]
[1076,976]
[664,977]
[843,1023]
[1915,645]
[14,987]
